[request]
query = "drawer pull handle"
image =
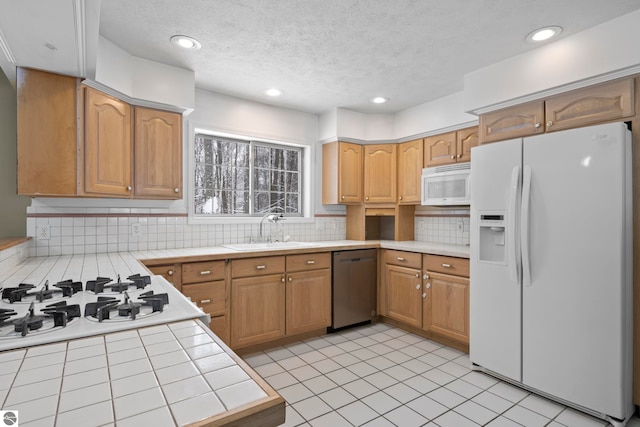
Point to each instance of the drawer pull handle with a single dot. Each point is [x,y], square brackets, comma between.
[446,265]
[310,262]
[205,301]
[205,272]
[260,267]
[400,258]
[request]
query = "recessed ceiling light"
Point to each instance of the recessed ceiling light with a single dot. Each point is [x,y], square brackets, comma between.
[379,100]
[273,92]
[544,33]
[186,42]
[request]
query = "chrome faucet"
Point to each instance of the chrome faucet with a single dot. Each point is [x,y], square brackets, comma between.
[274,218]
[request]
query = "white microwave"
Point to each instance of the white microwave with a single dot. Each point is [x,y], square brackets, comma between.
[447,185]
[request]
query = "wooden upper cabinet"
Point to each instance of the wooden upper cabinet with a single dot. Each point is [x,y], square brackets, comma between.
[107,145]
[410,158]
[341,173]
[591,105]
[440,149]
[157,154]
[521,120]
[466,139]
[47,133]
[380,162]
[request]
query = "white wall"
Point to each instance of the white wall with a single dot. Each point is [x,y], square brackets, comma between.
[611,47]
[142,79]
[432,117]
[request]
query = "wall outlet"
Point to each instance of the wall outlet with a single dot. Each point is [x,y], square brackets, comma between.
[43,232]
[135,229]
[460,226]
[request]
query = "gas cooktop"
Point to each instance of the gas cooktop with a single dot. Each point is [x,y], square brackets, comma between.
[39,314]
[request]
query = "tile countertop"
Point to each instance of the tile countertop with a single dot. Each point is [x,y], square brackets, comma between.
[167,375]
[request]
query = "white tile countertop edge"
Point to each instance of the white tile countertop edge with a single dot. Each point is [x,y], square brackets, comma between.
[166,375]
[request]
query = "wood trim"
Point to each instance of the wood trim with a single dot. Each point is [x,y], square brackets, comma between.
[10,242]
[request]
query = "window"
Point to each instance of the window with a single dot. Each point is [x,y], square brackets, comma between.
[251,178]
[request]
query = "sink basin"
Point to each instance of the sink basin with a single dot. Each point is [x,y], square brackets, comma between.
[266,246]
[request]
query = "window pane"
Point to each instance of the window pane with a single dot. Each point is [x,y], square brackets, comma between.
[261,202]
[242,202]
[292,182]
[262,182]
[292,160]
[277,202]
[203,201]
[262,157]
[277,181]
[292,203]
[277,158]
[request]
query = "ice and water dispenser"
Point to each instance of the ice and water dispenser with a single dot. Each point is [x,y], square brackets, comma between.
[491,241]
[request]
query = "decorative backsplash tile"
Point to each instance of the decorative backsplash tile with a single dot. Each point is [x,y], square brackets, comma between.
[443,226]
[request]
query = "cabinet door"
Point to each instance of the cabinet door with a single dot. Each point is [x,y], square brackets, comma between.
[449,302]
[513,122]
[257,309]
[403,294]
[308,301]
[171,273]
[410,158]
[440,149]
[466,139]
[157,154]
[380,164]
[350,173]
[107,145]
[220,327]
[47,133]
[591,105]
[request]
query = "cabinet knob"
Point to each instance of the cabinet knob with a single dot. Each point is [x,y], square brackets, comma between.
[459,155]
[366,198]
[426,276]
[400,198]
[549,123]
[291,279]
[537,125]
[428,285]
[176,190]
[342,197]
[205,301]
[170,273]
[418,286]
[282,280]
[453,157]
[129,188]
[424,295]
[417,274]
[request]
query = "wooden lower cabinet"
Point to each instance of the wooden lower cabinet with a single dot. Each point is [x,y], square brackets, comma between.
[446,306]
[403,294]
[257,309]
[171,272]
[308,301]
[220,327]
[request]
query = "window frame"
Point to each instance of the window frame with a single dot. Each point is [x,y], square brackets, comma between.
[305,192]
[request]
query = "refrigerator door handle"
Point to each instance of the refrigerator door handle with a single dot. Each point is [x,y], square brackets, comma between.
[524,225]
[513,252]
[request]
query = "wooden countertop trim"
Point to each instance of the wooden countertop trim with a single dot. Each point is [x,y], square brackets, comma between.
[10,242]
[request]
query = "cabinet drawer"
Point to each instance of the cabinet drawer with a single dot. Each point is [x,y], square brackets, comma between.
[447,265]
[257,266]
[308,262]
[380,212]
[405,259]
[210,296]
[195,272]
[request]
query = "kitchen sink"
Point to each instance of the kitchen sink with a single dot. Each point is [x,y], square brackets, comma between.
[263,246]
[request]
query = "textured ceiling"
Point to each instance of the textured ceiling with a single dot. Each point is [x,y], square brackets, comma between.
[340,53]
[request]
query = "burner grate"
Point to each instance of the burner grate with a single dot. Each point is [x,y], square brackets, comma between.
[136,281]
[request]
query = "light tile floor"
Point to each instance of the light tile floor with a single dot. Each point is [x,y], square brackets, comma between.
[378,375]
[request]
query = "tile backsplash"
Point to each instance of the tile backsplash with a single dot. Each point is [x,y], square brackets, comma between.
[74,231]
[66,231]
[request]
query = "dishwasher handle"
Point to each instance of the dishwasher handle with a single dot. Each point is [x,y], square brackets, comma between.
[351,260]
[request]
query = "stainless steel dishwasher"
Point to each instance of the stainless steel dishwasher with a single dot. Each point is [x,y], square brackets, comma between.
[354,287]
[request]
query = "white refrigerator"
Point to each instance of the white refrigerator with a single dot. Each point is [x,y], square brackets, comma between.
[551,266]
